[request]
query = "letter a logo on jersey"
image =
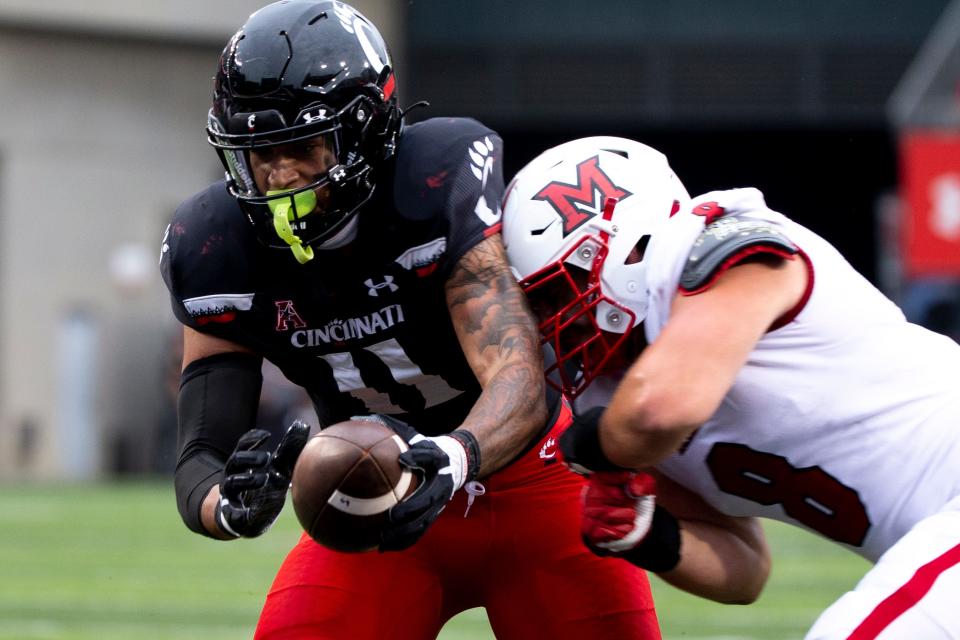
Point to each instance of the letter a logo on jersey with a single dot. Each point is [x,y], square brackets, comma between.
[287,314]
[577,203]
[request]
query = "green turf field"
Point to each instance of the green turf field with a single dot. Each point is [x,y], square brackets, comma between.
[113,562]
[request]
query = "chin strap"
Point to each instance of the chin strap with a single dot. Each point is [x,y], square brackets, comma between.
[284,212]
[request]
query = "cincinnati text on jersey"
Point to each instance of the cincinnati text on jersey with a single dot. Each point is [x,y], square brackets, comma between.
[349,329]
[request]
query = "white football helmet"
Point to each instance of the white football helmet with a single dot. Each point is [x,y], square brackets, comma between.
[592,203]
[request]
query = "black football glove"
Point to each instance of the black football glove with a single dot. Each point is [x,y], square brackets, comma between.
[255,481]
[443,464]
[580,444]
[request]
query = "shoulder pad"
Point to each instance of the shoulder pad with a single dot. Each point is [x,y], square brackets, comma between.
[726,241]
[431,155]
[438,145]
[207,252]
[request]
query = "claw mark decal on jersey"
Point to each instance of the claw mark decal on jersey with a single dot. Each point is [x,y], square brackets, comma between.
[286,314]
[481,163]
[373,288]
[548,452]
[809,495]
[577,203]
[383,377]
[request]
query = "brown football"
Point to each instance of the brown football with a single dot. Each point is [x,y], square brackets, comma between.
[345,481]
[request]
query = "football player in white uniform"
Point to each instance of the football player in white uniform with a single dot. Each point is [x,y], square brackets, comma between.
[726,364]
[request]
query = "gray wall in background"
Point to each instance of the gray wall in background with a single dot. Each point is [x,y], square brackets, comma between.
[103,107]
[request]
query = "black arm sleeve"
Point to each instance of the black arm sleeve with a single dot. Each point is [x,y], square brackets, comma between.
[217,404]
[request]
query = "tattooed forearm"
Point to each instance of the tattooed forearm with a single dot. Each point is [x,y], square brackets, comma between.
[486,303]
[507,415]
[499,337]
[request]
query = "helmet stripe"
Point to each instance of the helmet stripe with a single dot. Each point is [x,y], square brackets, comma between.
[389,87]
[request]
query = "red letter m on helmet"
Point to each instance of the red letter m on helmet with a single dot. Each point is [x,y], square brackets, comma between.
[591,191]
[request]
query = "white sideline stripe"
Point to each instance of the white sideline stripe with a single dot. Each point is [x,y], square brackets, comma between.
[372,506]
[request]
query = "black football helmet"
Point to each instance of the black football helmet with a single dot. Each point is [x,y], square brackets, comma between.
[299,69]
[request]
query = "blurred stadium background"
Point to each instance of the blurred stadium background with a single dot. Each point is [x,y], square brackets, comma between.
[846,113]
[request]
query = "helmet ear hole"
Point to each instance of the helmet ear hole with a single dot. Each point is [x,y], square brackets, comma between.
[639,250]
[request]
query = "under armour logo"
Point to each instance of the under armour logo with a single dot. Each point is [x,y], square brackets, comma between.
[309,118]
[373,289]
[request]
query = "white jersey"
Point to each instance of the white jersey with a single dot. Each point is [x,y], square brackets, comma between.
[845,421]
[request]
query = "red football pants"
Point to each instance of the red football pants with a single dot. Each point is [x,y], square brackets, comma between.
[517,553]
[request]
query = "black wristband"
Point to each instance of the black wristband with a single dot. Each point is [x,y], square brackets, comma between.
[580,444]
[472,447]
[660,550]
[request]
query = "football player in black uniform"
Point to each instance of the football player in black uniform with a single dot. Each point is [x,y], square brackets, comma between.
[362,256]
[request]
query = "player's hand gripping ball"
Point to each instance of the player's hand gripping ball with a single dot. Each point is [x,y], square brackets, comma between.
[345,482]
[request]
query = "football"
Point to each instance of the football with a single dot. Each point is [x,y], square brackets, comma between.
[345,481]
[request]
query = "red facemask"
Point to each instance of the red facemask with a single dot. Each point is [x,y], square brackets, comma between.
[582,348]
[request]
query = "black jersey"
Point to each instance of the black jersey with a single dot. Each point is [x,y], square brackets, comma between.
[364,329]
